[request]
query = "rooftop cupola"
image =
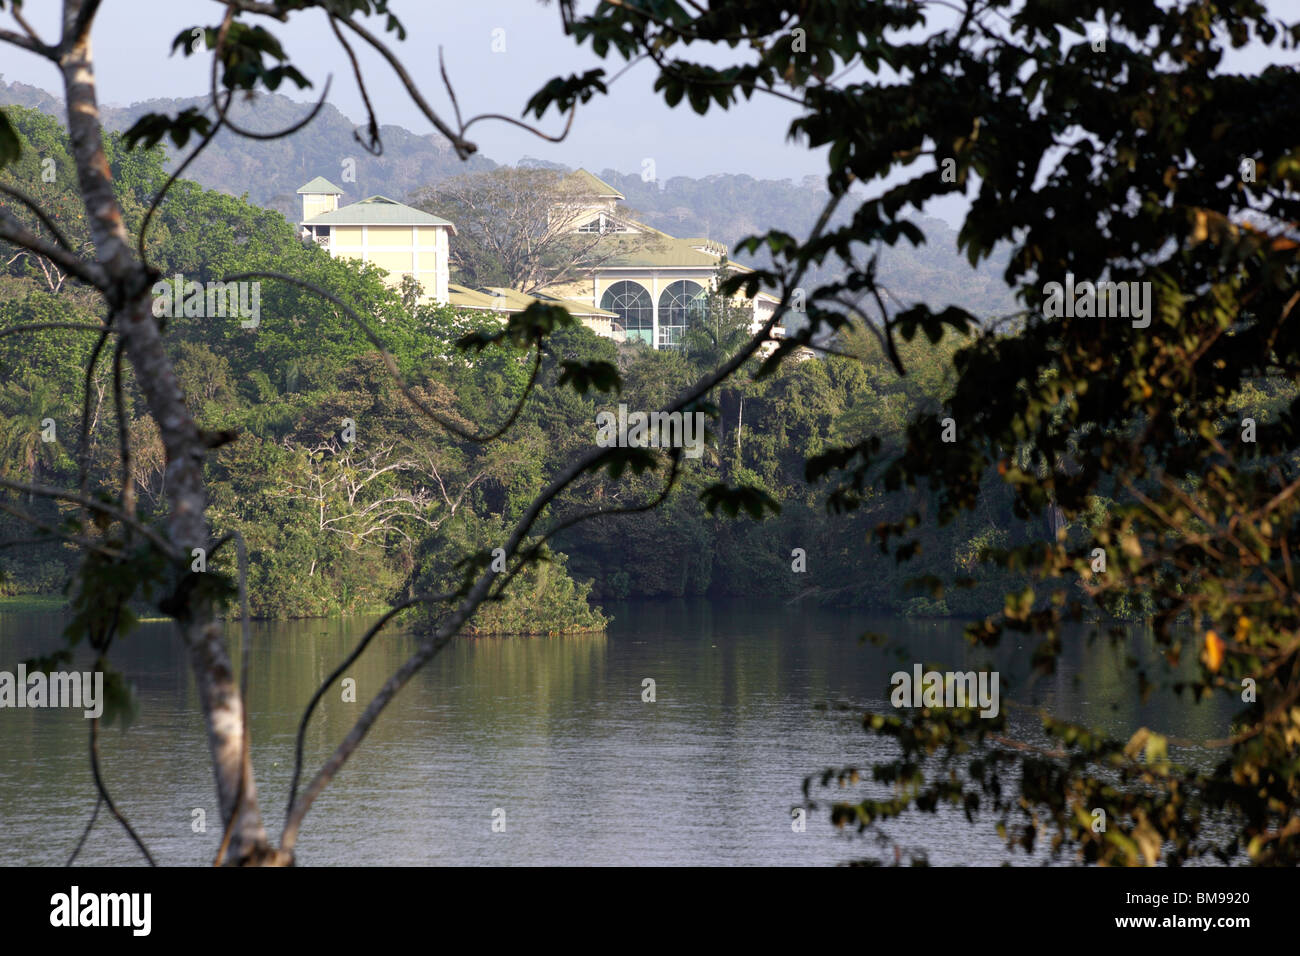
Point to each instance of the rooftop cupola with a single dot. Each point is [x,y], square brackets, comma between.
[319,196]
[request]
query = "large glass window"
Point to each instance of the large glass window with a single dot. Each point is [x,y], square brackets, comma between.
[681,304]
[634,307]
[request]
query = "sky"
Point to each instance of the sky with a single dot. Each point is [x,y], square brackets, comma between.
[132,39]
[497,53]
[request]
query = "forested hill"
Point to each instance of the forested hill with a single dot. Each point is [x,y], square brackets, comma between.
[270,171]
[725,207]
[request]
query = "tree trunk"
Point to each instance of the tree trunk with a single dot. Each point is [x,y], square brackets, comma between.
[129,300]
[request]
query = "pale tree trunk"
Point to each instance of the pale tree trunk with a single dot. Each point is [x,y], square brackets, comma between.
[130,283]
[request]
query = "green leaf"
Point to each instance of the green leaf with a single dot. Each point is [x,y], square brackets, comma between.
[584,376]
[754,501]
[618,460]
[10,145]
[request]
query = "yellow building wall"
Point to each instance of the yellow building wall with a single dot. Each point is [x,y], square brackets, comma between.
[346,237]
[601,326]
[418,251]
[315,205]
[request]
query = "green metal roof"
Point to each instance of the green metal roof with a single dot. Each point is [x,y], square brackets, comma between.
[589,184]
[320,186]
[575,307]
[630,251]
[499,299]
[376,211]
[466,298]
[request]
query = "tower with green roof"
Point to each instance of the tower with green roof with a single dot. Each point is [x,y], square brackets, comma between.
[318,196]
[397,238]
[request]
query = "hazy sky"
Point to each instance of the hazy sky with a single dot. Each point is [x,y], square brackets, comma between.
[632,124]
[132,39]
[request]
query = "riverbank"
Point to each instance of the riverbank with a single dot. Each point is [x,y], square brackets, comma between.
[34,603]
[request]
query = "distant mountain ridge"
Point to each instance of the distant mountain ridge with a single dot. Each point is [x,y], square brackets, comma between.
[270,171]
[722,206]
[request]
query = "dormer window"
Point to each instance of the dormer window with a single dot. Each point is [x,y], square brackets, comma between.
[603,224]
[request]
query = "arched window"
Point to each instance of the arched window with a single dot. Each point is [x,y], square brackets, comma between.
[634,307]
[681,304]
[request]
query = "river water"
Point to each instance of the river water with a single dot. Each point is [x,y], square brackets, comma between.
[549,736]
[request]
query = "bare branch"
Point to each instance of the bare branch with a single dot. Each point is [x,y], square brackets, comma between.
[376,146]
[14,231]
[100,506]
[21,20]
[162,193]
[334,675]
[103,793]
[94,815]
[530,555]
[29,42]
[222,114]
[36,209]
[464,148]
[88,543]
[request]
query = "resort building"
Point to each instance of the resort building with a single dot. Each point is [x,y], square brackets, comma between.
[655,283]
[642,285]
[391,235]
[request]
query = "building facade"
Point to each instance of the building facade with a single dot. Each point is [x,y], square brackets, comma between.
[391,235]
[642,285]
[655,283]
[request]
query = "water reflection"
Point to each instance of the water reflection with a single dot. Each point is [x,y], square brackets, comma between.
[553,731]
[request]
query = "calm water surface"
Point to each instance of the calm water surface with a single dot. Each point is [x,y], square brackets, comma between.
[749,701]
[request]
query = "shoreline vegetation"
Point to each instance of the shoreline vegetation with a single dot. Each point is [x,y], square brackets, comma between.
[598,622]
[33,603]
[340,520]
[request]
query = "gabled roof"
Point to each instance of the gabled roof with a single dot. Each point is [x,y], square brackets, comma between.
[590,185]
[633,225]
[320,186]
[500,299]
[630,251]
[376,211]
[464,297]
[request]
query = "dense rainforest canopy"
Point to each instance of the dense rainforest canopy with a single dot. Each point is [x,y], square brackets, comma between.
[335,527]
